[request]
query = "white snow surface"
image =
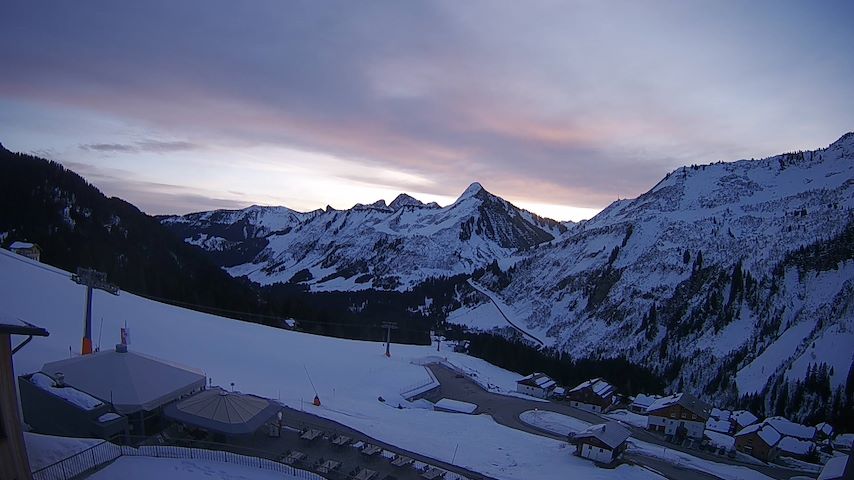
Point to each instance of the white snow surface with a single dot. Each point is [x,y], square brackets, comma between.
[146,468]
[71,394]
[44,450]
[553,422]
[269,362]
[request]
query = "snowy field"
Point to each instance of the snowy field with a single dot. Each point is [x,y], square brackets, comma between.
[146,468]
[349,375]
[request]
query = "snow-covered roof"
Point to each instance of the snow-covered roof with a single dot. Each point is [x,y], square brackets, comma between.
[130,380]
[834,469]
[825,428]
[600,387]
[844,440]
[795,446]
[456,405]
[765,432]
[611,433]
[230,413]
[559,391]
[22,245]
[644,401]
[791,429]
[744,418]
[715,425]
[686,400]
[721,414]
[537,379]
[81,399]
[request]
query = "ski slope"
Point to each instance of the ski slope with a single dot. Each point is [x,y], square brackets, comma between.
[349,375]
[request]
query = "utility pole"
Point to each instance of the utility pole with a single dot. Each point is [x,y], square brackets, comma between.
[440,335]
[388,326]
[92,279]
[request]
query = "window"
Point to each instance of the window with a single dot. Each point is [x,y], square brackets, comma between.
[673,415]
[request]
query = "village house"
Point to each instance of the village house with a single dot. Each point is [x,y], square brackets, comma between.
[840,467]
[823,431]
[29,250]
[789,428]
[594,395]
[795,448]
[721,421]
[641,402]
[776,436]
[743,418]
[758,440]
[681,415]
[601,443]
[536,384]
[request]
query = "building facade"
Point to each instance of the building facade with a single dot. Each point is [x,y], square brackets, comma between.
[681,416]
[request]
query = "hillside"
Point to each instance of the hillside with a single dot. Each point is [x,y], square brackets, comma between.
[349,375]
[376,246]
[77,226]
[724,278]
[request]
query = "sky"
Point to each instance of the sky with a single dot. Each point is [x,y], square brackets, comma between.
[560,107]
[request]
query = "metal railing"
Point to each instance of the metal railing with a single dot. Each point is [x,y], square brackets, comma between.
[96,456]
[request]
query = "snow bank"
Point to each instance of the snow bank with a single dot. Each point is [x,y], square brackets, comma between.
[71,394]
[145,468]
[553,422]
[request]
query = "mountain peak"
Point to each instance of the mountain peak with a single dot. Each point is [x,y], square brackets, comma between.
[404,200]
[472,190]
[847,139]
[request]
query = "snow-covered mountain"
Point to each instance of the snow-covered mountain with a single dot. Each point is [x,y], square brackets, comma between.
[721,276]
[368,246]
[726,279]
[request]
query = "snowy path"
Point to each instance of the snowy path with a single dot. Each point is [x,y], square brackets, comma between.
[501,309]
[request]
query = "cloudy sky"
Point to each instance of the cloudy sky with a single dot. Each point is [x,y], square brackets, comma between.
[560,107]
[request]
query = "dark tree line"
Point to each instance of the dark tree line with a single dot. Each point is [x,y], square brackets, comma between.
[516,356]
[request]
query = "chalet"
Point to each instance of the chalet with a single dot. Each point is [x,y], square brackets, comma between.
[823,431]
[536,384]
[788,428]
[795,448]
[594,395]
[840,467]
[641,402]
[601,443]
[14,462]
[743,418]
[759,441]
[29,250]
[721,421]
[681,415]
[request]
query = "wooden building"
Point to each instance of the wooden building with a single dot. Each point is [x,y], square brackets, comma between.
[681,416]
[536,384]
[601,443]
[759,441]
[594,395]
[14,464]
[29,250]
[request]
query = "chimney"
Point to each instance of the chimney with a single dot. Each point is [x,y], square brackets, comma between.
[59,379]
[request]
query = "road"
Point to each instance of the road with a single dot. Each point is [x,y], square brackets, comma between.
[506,409]
[491,297]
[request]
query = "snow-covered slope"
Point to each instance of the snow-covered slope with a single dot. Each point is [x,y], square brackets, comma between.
[740,267]
[349,375]
[368,246]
